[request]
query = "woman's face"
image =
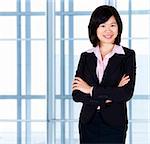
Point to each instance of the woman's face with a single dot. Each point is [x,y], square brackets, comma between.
[108,31]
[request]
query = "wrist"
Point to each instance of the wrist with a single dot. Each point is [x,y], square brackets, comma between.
[91,89]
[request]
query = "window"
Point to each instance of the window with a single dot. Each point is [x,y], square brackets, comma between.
[23,75]
[40,45]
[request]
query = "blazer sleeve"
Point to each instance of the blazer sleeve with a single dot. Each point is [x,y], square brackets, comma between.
[120,94]
[79,96]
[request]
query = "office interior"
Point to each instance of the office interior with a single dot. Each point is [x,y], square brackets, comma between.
[40,45]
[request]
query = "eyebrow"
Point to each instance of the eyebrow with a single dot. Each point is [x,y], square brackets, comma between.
[109,23]
[113,22]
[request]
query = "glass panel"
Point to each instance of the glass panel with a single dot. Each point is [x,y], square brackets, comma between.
[81,46]
[140,5]
[38,109]
[8,132]
[67,134]
[23,5]
[7,27]
[76,110]
[122,5]
[23,136]
[128,135]
[71,112]
[23,113]
[79,5]
[7,6]
[140,26]
[67,109]
[65,27]
[124,42]
[57,5]
[23,67]
[38,67]
[38,6]
[67,68]
[38,133]
[57,68]
[140,133]
[142,79]
[71,133]
[38,26]
[58,109]
[66,2]
[140,109]
[66,31]
[8,109]
[8,65]
[76,61]
[58,133]
[81,26]
[75,132]
[141,48]
[23,28]
[57,18]
[72,109]
[125,22]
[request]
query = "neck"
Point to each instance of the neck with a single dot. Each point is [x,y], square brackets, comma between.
[105,49]
[106,46]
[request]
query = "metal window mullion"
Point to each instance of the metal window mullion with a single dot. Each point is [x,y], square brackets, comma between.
[111,2]
[50,71]
[149,91]
[21,13]
[130,46]
[28,72]
[62,69]
[106,2]
[19,79]
[71,68]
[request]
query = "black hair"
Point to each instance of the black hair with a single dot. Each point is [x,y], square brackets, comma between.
[100,15]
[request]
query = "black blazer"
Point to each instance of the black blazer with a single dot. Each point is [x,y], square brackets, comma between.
[114,114]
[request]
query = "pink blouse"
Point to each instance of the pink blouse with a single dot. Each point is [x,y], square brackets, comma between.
[101,64]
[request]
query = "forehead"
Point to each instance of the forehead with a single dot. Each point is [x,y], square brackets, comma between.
[111,20]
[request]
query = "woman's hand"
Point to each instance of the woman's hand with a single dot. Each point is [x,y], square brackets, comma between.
[79,84]
[124,80]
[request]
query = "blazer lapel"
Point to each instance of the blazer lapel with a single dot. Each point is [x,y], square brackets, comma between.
[92,63]
[112,65]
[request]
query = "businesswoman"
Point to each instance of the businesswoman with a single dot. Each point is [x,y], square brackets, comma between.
[104,81]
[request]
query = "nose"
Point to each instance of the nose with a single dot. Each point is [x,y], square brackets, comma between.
[108,28]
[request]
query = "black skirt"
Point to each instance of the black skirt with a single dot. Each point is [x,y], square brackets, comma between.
[98,132]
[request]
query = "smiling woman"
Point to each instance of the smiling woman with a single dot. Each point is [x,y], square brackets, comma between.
[104,80]
[108,31]
[40,47]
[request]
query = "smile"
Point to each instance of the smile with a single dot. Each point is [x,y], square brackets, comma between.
[108,36]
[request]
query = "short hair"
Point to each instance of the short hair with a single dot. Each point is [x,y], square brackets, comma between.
[100,15]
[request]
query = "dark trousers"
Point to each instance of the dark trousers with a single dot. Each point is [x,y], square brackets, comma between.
[98,132]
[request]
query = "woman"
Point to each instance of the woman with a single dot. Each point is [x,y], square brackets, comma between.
[104,81]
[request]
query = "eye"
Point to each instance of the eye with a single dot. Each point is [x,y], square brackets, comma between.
[101,25]
[113,25]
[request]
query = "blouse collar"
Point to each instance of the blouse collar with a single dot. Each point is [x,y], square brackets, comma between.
[117,49]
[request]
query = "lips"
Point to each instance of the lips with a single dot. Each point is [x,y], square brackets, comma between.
[108,36]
